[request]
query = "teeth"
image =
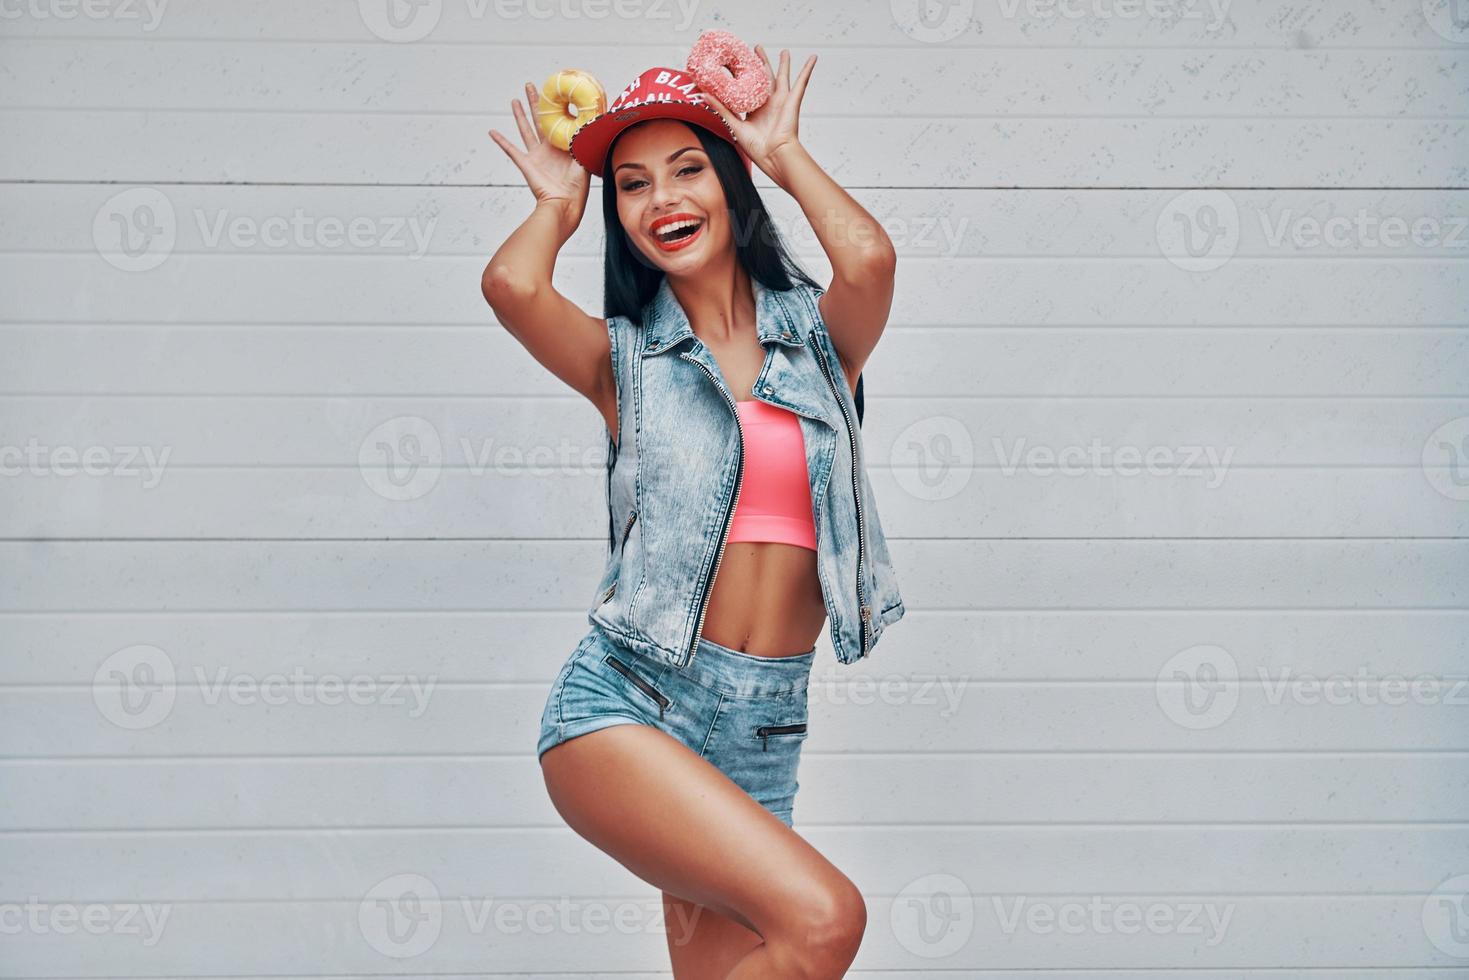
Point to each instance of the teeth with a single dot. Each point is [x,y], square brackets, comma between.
[667,230]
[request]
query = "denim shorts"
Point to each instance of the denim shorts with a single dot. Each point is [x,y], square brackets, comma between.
[743,713]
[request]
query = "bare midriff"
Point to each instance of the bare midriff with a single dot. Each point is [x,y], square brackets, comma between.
[766,599]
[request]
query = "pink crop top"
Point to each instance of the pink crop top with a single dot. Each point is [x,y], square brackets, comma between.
[775,491]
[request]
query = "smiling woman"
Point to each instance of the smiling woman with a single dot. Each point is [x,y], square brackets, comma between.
[741,521]
[675,231]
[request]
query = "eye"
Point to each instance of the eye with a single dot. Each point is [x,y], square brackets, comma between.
[691,167]
[632,184]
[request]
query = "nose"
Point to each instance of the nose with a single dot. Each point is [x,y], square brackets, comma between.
[665,197]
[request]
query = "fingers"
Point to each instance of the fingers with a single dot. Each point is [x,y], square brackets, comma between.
[529,132]
[510,151]
[800,87]
[730,119]
[783,76]
[765,58]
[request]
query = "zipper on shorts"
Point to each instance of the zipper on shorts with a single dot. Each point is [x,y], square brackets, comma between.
[641,684]
[765,731]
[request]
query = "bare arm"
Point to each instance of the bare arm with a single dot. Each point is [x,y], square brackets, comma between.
[569,342]
[855,307]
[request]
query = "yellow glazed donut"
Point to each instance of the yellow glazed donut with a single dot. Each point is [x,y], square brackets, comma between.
[554,115]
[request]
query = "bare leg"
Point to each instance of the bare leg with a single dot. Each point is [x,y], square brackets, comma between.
[702,944]
[678,823]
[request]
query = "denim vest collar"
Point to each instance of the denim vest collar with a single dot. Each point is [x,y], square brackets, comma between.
[667,323]
[790,378]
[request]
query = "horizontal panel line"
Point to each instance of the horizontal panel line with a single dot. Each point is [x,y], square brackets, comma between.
[431,112]
[863,754]
[212,326]
[381,185]
[579,539]
[348,829]
[581,611]
[480,326]
[355,901]
[1296,679]
[1280,973]
[1273,46]
[1419,257]
[1335,398]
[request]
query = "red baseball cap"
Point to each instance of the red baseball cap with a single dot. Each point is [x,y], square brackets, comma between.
[658,93]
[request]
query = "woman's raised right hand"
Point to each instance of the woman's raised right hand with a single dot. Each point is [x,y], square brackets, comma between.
[553,175]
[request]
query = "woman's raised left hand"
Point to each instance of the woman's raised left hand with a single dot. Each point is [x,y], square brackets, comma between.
[771,128]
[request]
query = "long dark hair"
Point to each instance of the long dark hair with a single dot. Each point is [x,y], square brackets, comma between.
[630,281]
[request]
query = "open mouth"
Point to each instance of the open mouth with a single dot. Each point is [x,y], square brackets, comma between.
[678,232]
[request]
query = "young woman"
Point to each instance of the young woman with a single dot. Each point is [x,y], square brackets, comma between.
[740,517]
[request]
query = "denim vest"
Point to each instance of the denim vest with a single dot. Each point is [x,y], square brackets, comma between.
[672,484]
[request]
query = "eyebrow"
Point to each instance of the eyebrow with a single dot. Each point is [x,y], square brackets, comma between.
[671,157]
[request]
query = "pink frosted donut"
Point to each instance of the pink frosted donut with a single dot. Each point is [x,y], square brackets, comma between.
[730,70]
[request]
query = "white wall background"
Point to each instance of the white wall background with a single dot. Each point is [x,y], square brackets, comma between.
[1029,163]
